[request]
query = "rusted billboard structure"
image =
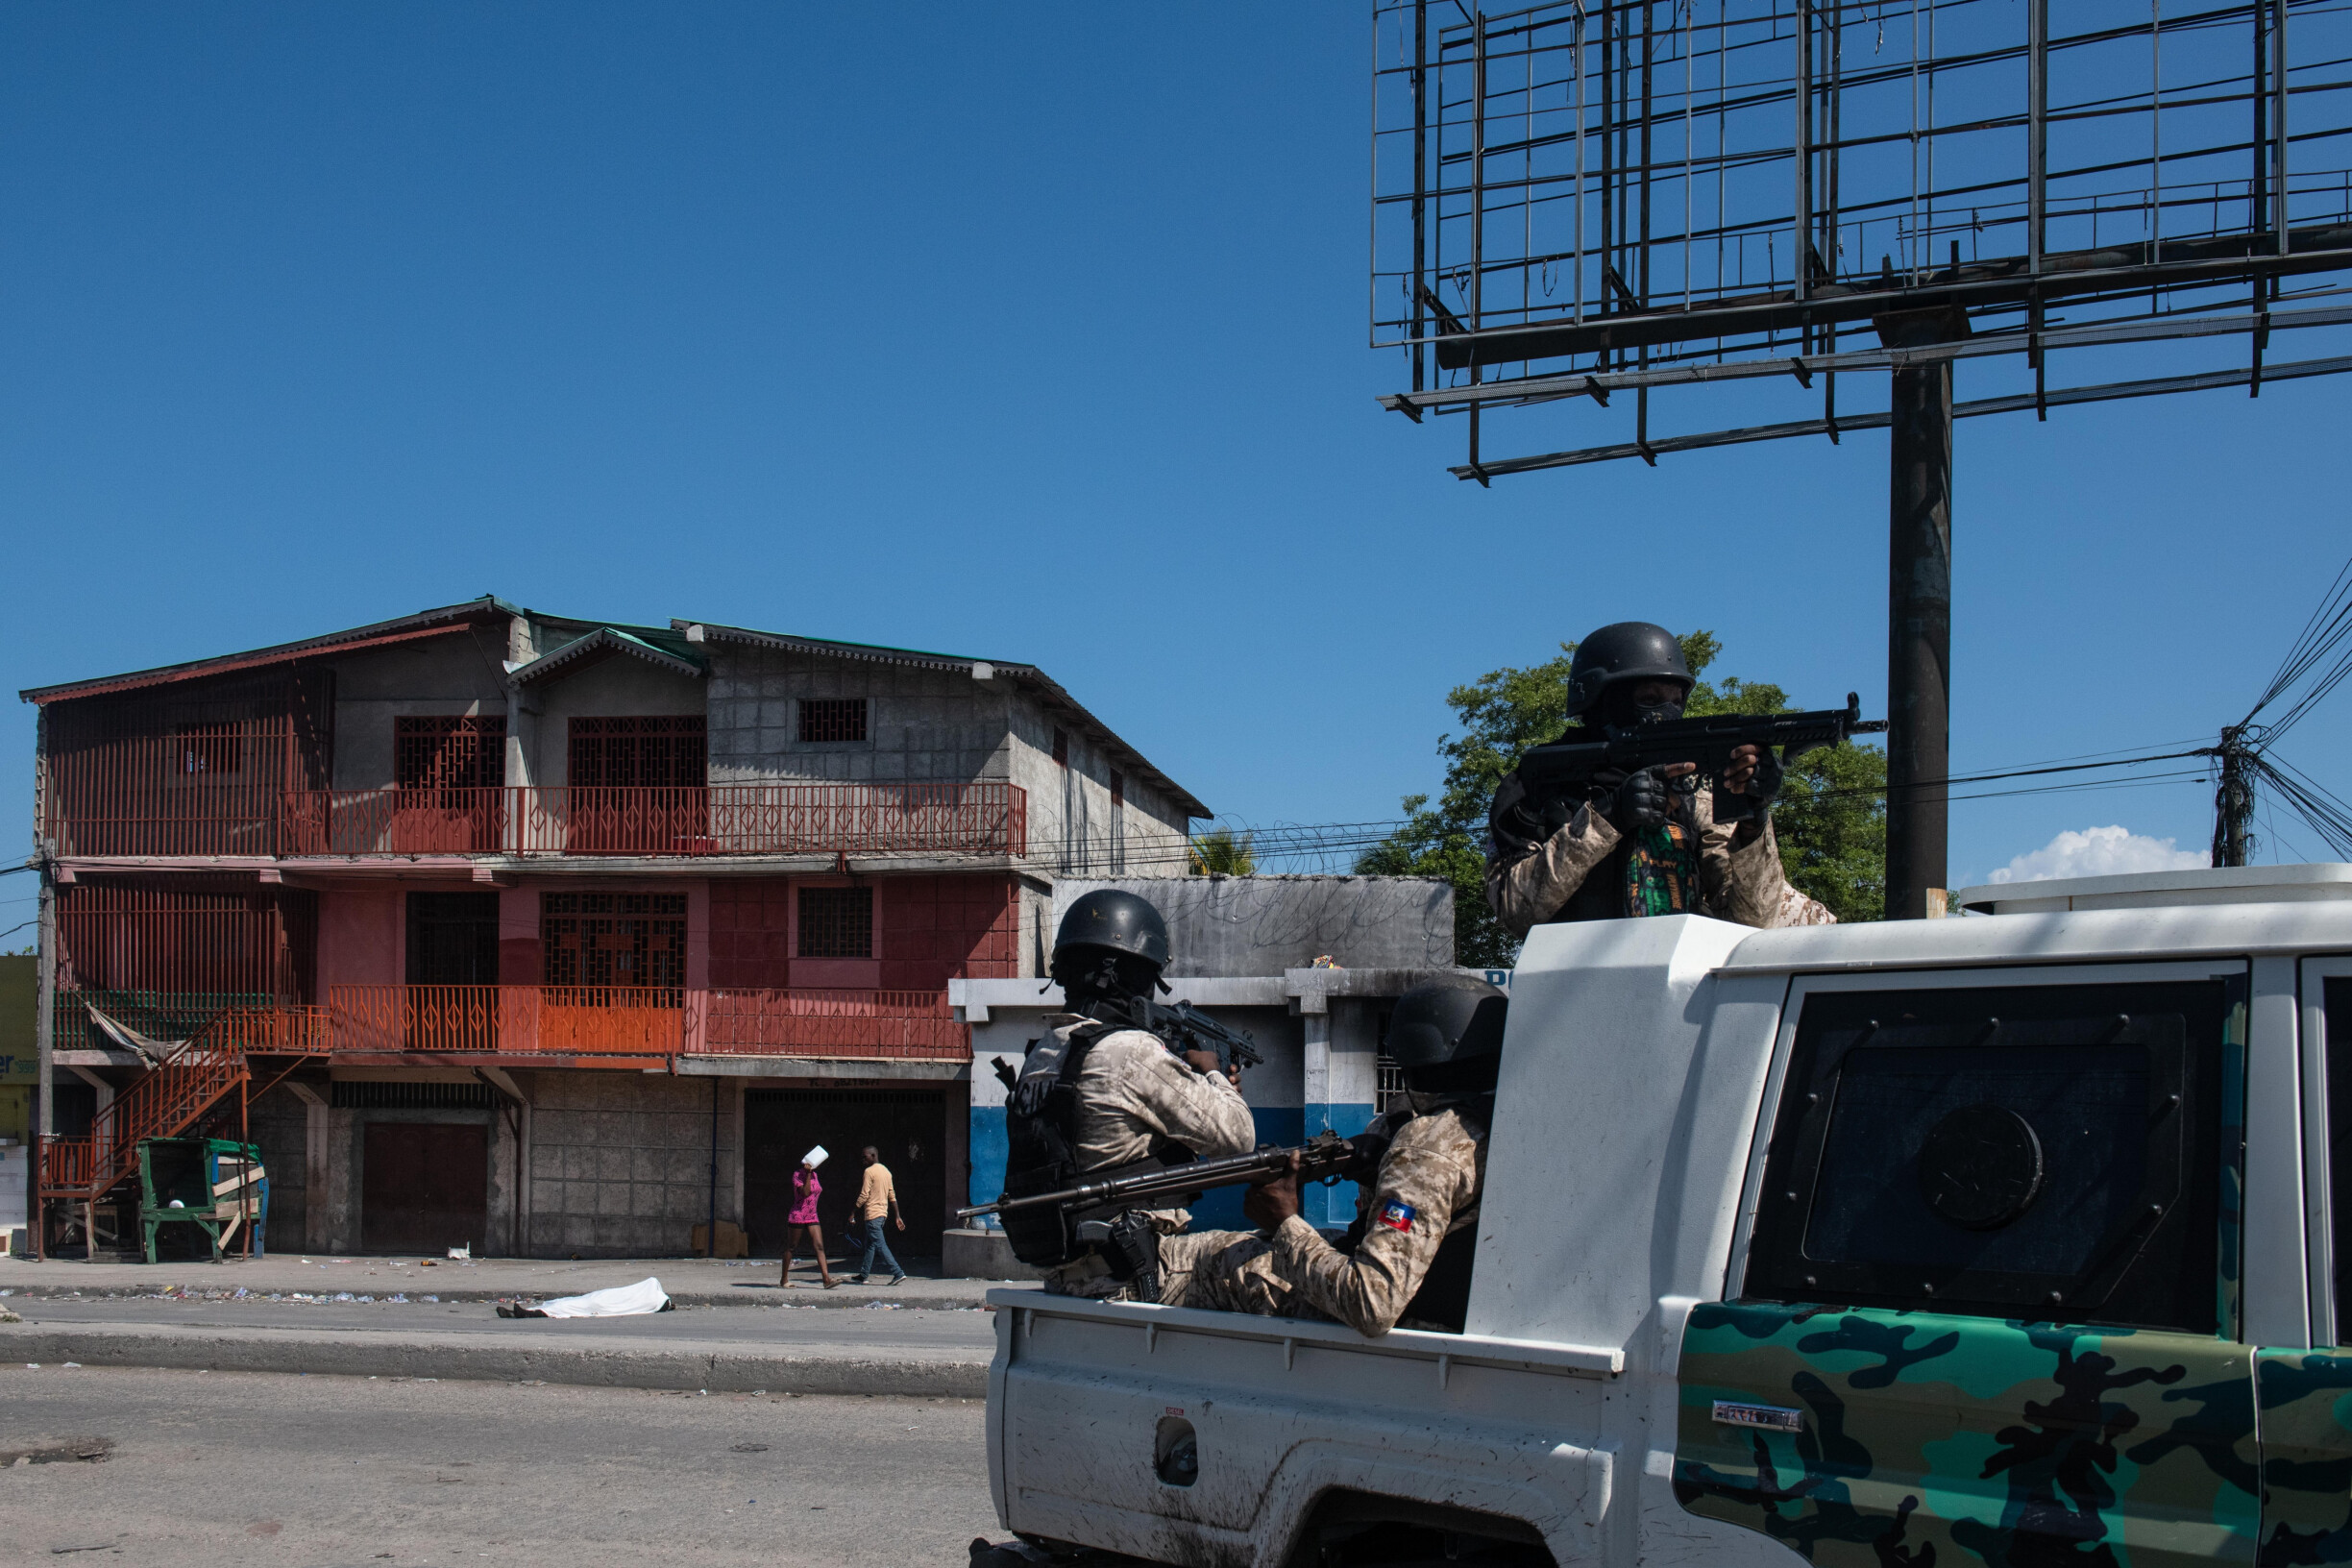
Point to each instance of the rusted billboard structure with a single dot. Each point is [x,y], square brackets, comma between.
[1581,204]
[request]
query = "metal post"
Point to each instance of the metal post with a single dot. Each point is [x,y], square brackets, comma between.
[2037,129]
[1801,227]
[1420,202]
[2278,116]
[1919,637]
[710,1232]
[44,1051]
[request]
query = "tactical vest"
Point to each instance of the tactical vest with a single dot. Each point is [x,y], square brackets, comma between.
[1042,1155]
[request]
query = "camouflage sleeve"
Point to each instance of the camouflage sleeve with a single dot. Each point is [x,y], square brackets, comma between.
[1739,867]
[1430,1175]
[1528,888]
[1200,1110]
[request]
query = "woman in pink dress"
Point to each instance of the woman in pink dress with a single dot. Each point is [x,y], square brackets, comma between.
[801,1221]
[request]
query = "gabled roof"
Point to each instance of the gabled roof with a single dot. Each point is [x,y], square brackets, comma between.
[406,628]
[670,647]
[1048,689]
[595,647]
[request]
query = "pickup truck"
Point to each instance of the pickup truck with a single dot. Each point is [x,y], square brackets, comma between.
[2012,1240]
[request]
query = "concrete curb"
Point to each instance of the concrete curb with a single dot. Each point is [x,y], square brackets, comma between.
[720,1366]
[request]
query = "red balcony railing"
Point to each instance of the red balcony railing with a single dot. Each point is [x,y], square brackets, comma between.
[573,1020]
[987,816]
[859,1024]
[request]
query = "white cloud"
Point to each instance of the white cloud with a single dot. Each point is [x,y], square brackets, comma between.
[2099,851]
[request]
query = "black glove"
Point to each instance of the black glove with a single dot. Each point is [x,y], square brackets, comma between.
[1639,802]
[1765,786]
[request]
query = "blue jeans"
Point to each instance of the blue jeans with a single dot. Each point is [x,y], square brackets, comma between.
[866,1236]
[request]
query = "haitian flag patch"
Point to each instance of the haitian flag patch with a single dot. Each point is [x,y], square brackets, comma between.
[1398,1216]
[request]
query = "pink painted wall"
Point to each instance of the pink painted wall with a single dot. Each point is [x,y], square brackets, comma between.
[361,931]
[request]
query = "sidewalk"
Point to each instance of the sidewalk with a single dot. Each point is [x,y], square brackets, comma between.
[407,1320]
[692,1282]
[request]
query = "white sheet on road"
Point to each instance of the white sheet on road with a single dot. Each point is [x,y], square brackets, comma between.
[619,1301]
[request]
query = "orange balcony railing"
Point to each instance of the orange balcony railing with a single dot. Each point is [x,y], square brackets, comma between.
[852,1023]
[987,816]
[569,1020]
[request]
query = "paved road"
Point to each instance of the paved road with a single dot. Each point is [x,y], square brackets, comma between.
[870,1328]
[239,1468]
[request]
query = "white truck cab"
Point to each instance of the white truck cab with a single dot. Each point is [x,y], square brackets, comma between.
[2006,1238]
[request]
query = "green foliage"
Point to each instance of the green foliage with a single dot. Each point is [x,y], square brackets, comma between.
[1220,854]
[1833,843]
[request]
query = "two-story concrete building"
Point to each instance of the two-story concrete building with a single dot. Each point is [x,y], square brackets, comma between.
[553,936]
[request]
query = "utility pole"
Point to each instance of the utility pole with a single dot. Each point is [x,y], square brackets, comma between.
[2233,802]
[1919,621]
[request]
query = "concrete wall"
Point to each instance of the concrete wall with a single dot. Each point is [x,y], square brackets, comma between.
[616,686]
[921,723]
[619,1162]
[1073,828]
[1246,925]
[460,673]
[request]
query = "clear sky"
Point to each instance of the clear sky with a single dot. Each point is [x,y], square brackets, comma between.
[1035,332]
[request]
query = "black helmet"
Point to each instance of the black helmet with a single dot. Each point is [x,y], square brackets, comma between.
[1454,1019]
[1628,651]
[1116,921]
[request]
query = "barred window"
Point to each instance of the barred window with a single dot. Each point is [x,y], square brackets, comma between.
[836,922]
[833,719]
[211,748]
[615,939]
[454,752]
[1388,1087]
[642,751]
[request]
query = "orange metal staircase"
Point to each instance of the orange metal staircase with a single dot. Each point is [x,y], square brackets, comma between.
[167,1101]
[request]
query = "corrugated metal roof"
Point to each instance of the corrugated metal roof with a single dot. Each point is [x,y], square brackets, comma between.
[407,627]
[606,640]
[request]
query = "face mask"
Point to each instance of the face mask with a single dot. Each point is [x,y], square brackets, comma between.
[1646,713]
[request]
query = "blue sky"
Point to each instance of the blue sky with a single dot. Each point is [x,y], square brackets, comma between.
[1035,332]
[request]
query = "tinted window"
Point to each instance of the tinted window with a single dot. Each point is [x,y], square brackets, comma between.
[2338,1024]
[2044,1152]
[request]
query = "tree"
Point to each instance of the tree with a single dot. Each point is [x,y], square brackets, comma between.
[1831,820]
[1220,854]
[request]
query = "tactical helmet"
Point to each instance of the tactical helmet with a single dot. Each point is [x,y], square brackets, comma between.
[1454,1019]
[1116,921]
[1628,651]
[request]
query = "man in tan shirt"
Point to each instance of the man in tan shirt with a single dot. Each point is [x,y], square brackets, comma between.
[877,1200]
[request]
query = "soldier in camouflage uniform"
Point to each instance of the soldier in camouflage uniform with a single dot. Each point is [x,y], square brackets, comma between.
[1092,1098]
[1408,1257]
[1641,846]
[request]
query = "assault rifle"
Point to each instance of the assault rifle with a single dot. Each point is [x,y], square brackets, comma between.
[1566,770]
[1181,1027]
[1327,1156]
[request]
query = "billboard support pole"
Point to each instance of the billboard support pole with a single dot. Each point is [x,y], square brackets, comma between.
[1919,638]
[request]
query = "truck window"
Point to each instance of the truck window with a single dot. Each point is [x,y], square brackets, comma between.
[2044,1152]
[2337,1023]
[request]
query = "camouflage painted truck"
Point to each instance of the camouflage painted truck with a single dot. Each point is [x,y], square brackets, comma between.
[2011,1240]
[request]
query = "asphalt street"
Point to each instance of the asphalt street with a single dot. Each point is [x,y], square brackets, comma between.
[877,1328]
[239,1468]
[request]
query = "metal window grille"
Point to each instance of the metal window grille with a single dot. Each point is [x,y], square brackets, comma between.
[371,1096]
[1389,1088]
[836,922]
[833,719]
[213,747]
[633,940]
[450,751]
[643,751]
